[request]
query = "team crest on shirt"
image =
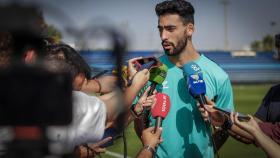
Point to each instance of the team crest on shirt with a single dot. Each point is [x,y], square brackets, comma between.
[164,85]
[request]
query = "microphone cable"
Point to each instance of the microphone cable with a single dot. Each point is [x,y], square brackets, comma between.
[124,145]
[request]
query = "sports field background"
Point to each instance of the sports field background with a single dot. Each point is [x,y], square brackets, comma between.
[247,99]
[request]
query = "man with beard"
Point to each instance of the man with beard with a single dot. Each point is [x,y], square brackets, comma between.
[185,133]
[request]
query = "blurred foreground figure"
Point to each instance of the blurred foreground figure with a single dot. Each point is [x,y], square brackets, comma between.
[32,97]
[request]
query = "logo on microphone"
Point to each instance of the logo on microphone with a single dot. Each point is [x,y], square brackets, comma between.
[195,67]
[163,108]
[195,77]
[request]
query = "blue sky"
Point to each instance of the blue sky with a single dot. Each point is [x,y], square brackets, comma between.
[248,20]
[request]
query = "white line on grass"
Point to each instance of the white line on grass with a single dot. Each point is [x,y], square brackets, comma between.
[117,155]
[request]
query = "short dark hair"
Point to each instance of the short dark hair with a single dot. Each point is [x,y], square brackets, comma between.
[70,56]
[59,66]
[183,8]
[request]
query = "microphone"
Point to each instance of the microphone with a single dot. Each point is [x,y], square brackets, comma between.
[160,109]
[157,76]
[197,88]
[195,82]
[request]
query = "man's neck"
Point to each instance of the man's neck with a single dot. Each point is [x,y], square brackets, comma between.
[188,54]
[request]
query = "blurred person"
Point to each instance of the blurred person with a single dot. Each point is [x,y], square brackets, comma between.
[219,119]
[94,113]
[80,71]
[89,113]
[269,110]
[104,84]
[21,36]
[271,148]
[184,123]
[24,29]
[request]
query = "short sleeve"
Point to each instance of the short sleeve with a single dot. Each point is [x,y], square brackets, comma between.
[225,96]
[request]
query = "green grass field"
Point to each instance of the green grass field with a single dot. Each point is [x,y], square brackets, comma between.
[247,100]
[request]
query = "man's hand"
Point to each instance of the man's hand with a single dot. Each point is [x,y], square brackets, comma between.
[92,149]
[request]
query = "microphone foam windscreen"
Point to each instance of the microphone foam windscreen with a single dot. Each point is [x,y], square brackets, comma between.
[162,106]
[191,68]
[194,77]
[158,74]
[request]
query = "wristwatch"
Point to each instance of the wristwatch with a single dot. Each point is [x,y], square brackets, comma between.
[136,114]
[150,148]
[227,124]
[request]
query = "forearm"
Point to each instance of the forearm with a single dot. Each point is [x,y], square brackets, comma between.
[271,148]
[91,86]
[219,138]
[139,126]
[130,94]
[241,135]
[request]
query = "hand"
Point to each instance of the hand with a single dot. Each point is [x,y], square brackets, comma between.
[251,126]
[207,111]
[150,138]
[141,78]
[131,67]
[145,101]
[94,149]
[205,108]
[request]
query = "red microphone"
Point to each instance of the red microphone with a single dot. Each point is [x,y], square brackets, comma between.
[161,108]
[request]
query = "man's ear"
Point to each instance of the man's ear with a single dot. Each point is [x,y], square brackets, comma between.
[30,56]
[190,29]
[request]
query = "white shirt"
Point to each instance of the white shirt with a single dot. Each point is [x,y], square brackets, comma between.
[88,124]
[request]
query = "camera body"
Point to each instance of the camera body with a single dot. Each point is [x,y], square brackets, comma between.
[34,96]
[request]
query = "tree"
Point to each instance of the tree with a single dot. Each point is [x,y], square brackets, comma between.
[256,46]
[268,43]
[54,34]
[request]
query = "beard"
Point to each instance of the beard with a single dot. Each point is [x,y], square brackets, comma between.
[176,50]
